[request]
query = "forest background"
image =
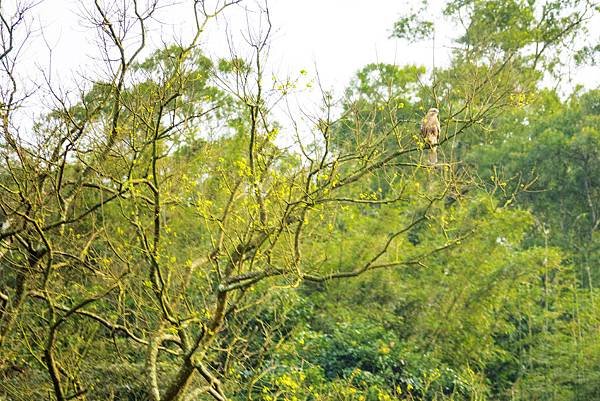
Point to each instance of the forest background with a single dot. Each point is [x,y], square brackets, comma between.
[176,225]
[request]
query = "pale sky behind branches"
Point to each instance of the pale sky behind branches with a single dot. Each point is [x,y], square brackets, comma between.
[338,37]
[334,37]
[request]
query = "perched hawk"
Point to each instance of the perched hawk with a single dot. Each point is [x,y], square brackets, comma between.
[430,129]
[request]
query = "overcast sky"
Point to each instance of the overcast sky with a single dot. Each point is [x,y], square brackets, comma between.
[338,37]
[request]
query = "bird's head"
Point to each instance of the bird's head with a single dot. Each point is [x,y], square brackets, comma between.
[433,111]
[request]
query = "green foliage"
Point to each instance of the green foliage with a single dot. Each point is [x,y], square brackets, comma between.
[412,28]
[169,247]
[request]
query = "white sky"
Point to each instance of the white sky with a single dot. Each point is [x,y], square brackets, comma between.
[338,37]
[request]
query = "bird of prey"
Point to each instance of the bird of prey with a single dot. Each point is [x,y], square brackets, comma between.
[430,129]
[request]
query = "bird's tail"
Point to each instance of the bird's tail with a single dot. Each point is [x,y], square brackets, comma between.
[433,155]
